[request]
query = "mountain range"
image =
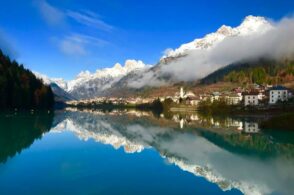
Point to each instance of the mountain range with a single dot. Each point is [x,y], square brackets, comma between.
[171,68]
[87,84]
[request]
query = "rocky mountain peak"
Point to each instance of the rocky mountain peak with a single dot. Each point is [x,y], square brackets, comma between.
[225,30]
[253,24]
[133,64]
[117,66]
[249,26]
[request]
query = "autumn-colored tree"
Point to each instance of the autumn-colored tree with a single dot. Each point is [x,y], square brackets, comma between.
[19,87]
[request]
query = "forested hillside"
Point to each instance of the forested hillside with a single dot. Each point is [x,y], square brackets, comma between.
[20,89]
[260,72]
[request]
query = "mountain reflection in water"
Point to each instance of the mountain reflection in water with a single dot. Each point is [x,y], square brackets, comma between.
[233,153]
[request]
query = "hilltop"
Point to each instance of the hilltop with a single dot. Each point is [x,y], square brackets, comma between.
[260,71]
[20,89]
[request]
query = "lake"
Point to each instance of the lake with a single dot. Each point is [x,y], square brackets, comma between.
[136,152]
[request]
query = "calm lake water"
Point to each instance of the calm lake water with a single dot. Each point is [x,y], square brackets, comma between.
[133,152]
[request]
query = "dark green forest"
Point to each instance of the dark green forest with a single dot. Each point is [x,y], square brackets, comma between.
[261,72]
[20,89]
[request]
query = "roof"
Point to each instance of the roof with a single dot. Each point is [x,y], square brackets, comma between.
[233,95]
[278,87]
[189,93]
[237,90]
[250,93]
[216,93]
[193,98]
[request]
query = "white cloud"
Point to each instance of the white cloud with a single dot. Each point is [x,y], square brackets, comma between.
[55,16]
[277,43]
[86,39]
[76,44]
[90,19]
[51,14]
[70,47]
[167,51]
[6,46]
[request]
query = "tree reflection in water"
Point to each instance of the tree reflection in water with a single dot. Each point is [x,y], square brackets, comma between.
[220,149]
[18,131]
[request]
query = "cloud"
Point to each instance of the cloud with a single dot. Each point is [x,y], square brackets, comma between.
[75,44]
[70,47]
[51,14]
[6,46]
[54,16]
[167,51]
[277,43]
[86,39]
[90,19]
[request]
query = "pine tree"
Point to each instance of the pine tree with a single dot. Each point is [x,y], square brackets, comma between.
[19,87]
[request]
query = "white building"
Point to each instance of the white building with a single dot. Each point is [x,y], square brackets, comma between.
[250,98]
[251,127]
[185,95]
[215,96]
[233,99]
[182,93]
[278,93]
[261,95]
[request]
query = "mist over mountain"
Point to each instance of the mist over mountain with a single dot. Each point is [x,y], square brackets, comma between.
[256,37]
[58,86]
[87,84]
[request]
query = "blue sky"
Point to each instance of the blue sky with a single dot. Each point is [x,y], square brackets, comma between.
[61,38]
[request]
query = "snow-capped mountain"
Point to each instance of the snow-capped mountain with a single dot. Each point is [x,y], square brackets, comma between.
[116,71]
[58,86]
[179,64]
[250,26]
[87,85]
[59,81]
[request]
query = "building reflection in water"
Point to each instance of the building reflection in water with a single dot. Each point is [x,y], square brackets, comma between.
[244,126]
[251,127]
[201,145]
[187,119]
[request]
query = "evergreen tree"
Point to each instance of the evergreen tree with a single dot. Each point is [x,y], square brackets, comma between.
[20,89]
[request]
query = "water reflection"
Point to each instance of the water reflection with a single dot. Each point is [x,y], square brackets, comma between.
[19,131]
[230,152]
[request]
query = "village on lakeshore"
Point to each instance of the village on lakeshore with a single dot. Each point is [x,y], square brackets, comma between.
[257,96]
